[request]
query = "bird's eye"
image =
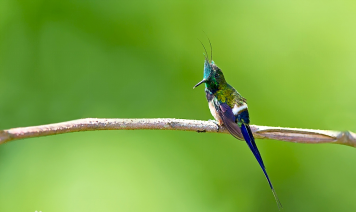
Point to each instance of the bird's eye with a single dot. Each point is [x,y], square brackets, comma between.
[216,75]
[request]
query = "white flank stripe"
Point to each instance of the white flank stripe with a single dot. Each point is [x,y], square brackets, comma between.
[237,109]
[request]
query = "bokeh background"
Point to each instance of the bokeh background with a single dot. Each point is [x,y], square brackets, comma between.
[295,62]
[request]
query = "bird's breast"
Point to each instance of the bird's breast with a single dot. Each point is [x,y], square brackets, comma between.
[215,113]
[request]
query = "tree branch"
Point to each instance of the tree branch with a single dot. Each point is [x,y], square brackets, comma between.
[261,132]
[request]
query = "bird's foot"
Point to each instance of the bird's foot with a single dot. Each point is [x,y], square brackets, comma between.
[217,124]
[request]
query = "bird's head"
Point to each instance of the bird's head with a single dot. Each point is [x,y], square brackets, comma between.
[213,76]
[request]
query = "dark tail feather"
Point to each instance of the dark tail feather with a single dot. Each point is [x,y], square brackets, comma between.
[247,134]
[279,204]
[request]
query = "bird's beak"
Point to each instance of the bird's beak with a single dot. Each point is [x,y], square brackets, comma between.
[203,81]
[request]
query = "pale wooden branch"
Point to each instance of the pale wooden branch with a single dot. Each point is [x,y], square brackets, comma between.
[262,132]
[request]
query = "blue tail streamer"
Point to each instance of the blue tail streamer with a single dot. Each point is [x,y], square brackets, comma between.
[247,134]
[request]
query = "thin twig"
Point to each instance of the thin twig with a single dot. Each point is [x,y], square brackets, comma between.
[262,132]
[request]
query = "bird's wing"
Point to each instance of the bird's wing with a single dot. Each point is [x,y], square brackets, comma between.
[244,132]
[228,117]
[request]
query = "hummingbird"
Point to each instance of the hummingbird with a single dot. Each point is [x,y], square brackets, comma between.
[230,109]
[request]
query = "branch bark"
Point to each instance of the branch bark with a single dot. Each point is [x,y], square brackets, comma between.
[262,132]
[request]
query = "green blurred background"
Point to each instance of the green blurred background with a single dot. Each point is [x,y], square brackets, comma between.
[295,62]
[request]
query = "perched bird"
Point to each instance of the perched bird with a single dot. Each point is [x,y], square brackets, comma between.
[229,108]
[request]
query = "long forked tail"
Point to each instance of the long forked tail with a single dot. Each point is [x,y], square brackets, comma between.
[247,134]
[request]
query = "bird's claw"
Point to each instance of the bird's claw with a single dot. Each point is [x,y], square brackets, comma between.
[217,124]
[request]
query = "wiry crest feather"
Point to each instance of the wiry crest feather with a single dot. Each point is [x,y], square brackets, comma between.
[206,56]
[211,47]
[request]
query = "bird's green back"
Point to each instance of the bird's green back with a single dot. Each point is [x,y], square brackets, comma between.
[228,94]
